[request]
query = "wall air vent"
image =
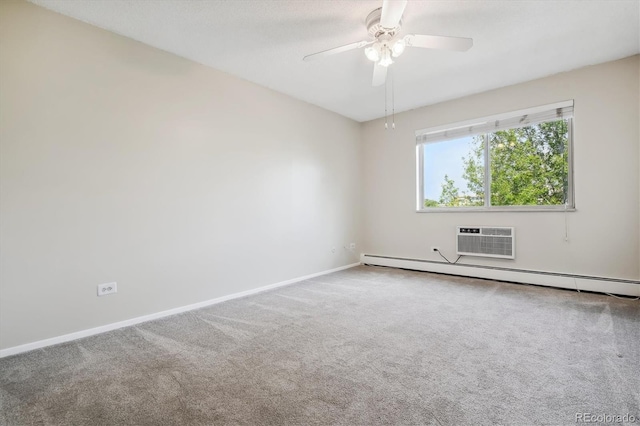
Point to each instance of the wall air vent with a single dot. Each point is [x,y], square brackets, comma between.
[486,241]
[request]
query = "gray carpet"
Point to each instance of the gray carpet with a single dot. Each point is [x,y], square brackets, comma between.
[363,346]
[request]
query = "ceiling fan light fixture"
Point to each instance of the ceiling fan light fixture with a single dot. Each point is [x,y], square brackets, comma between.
[386,60]
[372,53]
[398,48]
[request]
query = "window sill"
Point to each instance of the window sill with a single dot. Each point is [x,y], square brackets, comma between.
[518,209]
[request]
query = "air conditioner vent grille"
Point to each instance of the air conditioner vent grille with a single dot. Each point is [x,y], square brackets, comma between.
[496,231]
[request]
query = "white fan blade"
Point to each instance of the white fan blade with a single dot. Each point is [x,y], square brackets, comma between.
[439,42]
[335,50]
[392,12]
[379,75]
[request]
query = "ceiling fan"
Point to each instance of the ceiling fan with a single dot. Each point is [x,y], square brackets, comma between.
[383,24]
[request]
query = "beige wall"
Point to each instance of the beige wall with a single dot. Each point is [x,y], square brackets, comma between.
[604,231]
[120,162]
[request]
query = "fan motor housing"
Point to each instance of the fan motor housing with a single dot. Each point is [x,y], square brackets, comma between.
[375,29]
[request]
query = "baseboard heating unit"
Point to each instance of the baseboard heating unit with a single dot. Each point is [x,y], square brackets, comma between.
[549,279]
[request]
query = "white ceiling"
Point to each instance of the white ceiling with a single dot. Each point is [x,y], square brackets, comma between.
[263,41]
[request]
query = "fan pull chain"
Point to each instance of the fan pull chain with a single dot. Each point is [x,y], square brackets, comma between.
[393,101]
[386,125]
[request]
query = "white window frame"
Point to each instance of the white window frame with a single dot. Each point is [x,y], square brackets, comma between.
[485,126]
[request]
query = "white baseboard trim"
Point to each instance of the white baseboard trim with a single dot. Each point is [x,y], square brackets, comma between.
[133,321]
[549,279]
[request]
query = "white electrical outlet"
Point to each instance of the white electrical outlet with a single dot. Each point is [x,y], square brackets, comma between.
[107,288]
[352,246]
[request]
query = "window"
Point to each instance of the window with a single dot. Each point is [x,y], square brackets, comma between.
[515,161]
